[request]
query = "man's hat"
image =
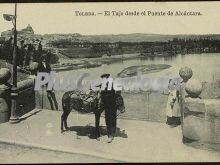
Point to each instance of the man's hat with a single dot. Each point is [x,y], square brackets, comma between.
[43,57]
[106,75]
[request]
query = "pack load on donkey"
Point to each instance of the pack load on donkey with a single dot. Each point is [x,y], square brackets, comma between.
[83,102]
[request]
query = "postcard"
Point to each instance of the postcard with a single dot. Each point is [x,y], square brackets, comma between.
[109,82]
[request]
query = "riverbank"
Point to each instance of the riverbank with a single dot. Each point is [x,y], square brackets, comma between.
[73,64]
[66,64]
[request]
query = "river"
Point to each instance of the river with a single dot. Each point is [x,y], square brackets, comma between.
[142,106]
[205,66]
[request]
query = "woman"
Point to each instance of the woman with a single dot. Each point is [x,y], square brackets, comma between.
[173,109]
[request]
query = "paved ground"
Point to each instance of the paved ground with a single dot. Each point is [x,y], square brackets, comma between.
[10,153]
[136,141]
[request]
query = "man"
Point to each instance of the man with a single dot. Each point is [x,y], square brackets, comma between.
[44,66]
[108,101]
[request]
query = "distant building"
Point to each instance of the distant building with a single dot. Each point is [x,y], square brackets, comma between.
[23,32]
[25,35]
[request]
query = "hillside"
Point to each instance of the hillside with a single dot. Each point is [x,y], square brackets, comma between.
[81,46]
[136,37]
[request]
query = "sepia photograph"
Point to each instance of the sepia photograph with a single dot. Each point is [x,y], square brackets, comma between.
[109,82]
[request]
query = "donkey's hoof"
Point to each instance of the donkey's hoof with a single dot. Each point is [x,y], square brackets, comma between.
[62,131]
[67,128]
[98,138]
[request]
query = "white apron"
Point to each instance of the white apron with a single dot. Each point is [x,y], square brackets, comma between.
[175,112]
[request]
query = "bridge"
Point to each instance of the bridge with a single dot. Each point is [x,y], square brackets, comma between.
[137,139]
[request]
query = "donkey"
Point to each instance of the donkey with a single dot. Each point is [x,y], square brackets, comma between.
[86,103]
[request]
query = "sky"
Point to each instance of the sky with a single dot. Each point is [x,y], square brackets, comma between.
[48,18]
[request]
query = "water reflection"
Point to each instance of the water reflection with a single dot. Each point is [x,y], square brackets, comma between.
[204,66]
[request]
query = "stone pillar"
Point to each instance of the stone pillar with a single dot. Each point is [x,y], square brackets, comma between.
[185,73]
[4,95]
[193,112]
[14,118]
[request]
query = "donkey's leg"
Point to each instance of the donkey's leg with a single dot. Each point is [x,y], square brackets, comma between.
[97,121]
[62,121]
[98,111]
[65,106]
[65,119]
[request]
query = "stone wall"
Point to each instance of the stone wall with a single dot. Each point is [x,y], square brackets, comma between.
[201,120]
[200,107]
[141,106]
[26,97]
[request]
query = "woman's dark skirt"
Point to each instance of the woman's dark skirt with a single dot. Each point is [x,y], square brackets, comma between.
[173,121]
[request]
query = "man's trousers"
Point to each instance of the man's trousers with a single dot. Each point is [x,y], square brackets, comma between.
[109,103]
